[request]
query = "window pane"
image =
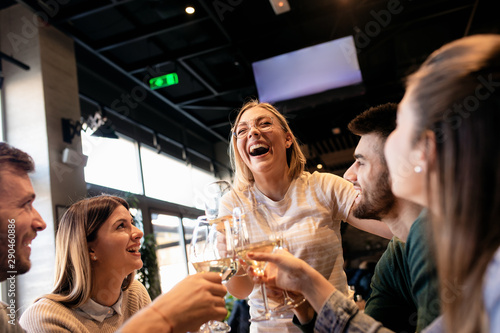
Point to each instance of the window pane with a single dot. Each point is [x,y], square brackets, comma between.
[189,225]
[169,179]
[170,253]
[112,163]
[200,179]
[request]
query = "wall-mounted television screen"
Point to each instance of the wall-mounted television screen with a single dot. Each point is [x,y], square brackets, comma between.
[308,71]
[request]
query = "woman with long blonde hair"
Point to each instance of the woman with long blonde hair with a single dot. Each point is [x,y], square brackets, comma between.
[309,208]
[97,253]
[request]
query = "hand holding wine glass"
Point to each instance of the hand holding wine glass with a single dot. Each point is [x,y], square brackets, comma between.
[253,233]
[212,251]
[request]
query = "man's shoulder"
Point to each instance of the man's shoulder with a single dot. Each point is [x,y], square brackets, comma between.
[392,267]
[394,252]
[418,229]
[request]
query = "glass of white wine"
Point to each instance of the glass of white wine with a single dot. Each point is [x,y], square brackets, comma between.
[212,250]
[254,233]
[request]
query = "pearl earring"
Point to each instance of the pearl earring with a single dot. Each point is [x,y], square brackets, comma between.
[417,169]
[95,258]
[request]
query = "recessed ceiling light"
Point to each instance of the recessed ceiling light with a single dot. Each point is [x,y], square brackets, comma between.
[190,10]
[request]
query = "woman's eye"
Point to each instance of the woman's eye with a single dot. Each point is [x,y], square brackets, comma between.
[121,225]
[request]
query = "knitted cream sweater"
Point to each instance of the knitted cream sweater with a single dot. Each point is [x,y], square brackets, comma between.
[49,316]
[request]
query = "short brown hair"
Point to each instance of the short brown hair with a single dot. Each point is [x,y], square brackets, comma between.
[15,158]
[379,120]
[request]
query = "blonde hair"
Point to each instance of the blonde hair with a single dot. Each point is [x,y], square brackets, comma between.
[79,226]
[295,157]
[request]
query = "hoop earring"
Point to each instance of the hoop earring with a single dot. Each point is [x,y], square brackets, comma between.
[417,169]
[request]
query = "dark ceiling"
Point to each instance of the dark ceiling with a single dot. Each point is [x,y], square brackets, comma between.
[121,44]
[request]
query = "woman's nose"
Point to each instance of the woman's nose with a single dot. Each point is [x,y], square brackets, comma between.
[137,233]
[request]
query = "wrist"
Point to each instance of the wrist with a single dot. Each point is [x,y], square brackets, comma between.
[316,288]
[169,328]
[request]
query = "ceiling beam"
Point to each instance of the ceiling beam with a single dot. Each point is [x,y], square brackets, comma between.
[197,77]
[152,31]
[174,56]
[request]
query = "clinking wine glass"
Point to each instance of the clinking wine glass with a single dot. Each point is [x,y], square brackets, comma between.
[289,303]
[212,250]
[213,194]
[253,233]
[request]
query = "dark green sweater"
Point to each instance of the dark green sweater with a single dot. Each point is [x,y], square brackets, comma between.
[405,287]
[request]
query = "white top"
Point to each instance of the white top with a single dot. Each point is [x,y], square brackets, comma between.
[310,215]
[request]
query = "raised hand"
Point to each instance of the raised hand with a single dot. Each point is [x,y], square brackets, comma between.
[190,303]
[287,272]
[193,301]
[283,271]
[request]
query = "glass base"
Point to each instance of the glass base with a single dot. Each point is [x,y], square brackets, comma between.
[287,306]
[214,326]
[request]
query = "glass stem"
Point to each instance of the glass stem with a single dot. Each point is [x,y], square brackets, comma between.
[264,298]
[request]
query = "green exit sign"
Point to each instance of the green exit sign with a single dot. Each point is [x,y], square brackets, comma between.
[163,81]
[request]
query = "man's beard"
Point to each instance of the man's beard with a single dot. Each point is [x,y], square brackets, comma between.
[378,203]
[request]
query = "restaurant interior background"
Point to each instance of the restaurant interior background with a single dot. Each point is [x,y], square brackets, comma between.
[76,81]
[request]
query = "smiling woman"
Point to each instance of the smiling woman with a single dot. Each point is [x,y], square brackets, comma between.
[97,253]
[269,166]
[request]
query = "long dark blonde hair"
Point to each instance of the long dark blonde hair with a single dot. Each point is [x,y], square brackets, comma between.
[456,95]
[79,226]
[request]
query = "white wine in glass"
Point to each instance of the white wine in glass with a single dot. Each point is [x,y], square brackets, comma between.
[212,251]
[253,233]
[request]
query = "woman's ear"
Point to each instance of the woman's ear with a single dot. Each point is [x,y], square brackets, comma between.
[430,147]
[288,140]
[424,155]
[92,255]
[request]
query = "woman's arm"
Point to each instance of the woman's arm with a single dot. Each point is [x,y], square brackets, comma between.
[193,301]
[336,313]
[372,226]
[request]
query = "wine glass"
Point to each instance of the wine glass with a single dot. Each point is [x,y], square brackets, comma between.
[212,250]
[253,233]
[288,303]
[213,195]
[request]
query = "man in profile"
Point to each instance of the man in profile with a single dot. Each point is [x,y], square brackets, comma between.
[19,224]
[404,294]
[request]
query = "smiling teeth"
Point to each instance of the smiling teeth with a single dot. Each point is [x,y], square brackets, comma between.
[258,145]
[133,249]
